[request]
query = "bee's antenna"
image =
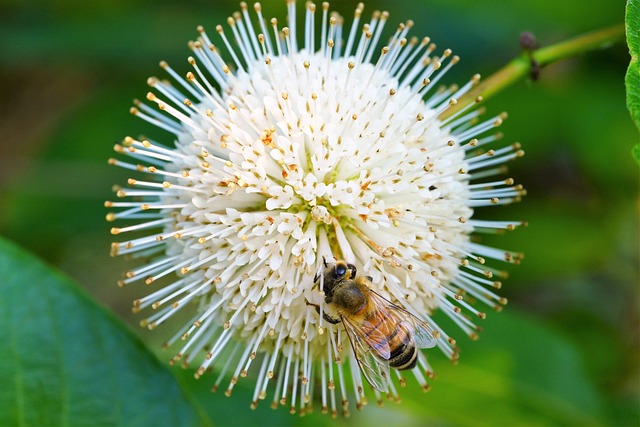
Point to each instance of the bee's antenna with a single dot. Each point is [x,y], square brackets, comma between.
[324,261]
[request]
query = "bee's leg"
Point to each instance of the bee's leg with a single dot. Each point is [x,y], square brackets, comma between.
[325,316]
[329,319]
[370,279]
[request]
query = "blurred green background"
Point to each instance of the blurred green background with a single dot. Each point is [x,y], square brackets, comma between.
[566,349]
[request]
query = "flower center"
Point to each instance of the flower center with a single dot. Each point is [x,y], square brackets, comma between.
[351,145]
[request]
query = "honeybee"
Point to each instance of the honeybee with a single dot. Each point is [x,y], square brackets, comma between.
[382,334]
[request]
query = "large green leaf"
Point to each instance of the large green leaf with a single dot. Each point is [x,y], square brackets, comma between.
[632,20]
[632,80]
[66,362]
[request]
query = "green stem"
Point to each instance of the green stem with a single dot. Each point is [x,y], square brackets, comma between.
[522,65]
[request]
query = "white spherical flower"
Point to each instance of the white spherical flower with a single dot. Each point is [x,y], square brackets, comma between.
[293,154]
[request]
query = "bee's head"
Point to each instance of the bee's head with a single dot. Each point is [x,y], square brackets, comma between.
[344,271]
[336,272]
[341,270]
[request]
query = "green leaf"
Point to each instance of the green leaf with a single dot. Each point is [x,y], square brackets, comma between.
[632,80]
[67,362]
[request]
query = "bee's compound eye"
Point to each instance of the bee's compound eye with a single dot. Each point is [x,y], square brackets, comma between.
[341,270]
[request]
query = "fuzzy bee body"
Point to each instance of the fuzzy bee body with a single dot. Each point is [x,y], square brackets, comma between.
[382,334]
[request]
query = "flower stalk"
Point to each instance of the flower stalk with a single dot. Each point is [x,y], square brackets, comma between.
[522,65]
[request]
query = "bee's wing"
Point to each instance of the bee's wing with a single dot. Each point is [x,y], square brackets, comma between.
[423,334]
[374,368]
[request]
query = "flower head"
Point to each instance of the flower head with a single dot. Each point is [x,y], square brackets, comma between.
[295,151]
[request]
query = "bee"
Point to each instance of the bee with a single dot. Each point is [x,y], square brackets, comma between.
[382,334]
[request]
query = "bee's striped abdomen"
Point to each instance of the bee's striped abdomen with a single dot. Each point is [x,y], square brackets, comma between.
[404,354]
[385,329]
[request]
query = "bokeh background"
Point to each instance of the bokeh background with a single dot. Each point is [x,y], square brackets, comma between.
[565,351]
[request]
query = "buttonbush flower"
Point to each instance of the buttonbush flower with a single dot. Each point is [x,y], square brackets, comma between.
[298,146]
